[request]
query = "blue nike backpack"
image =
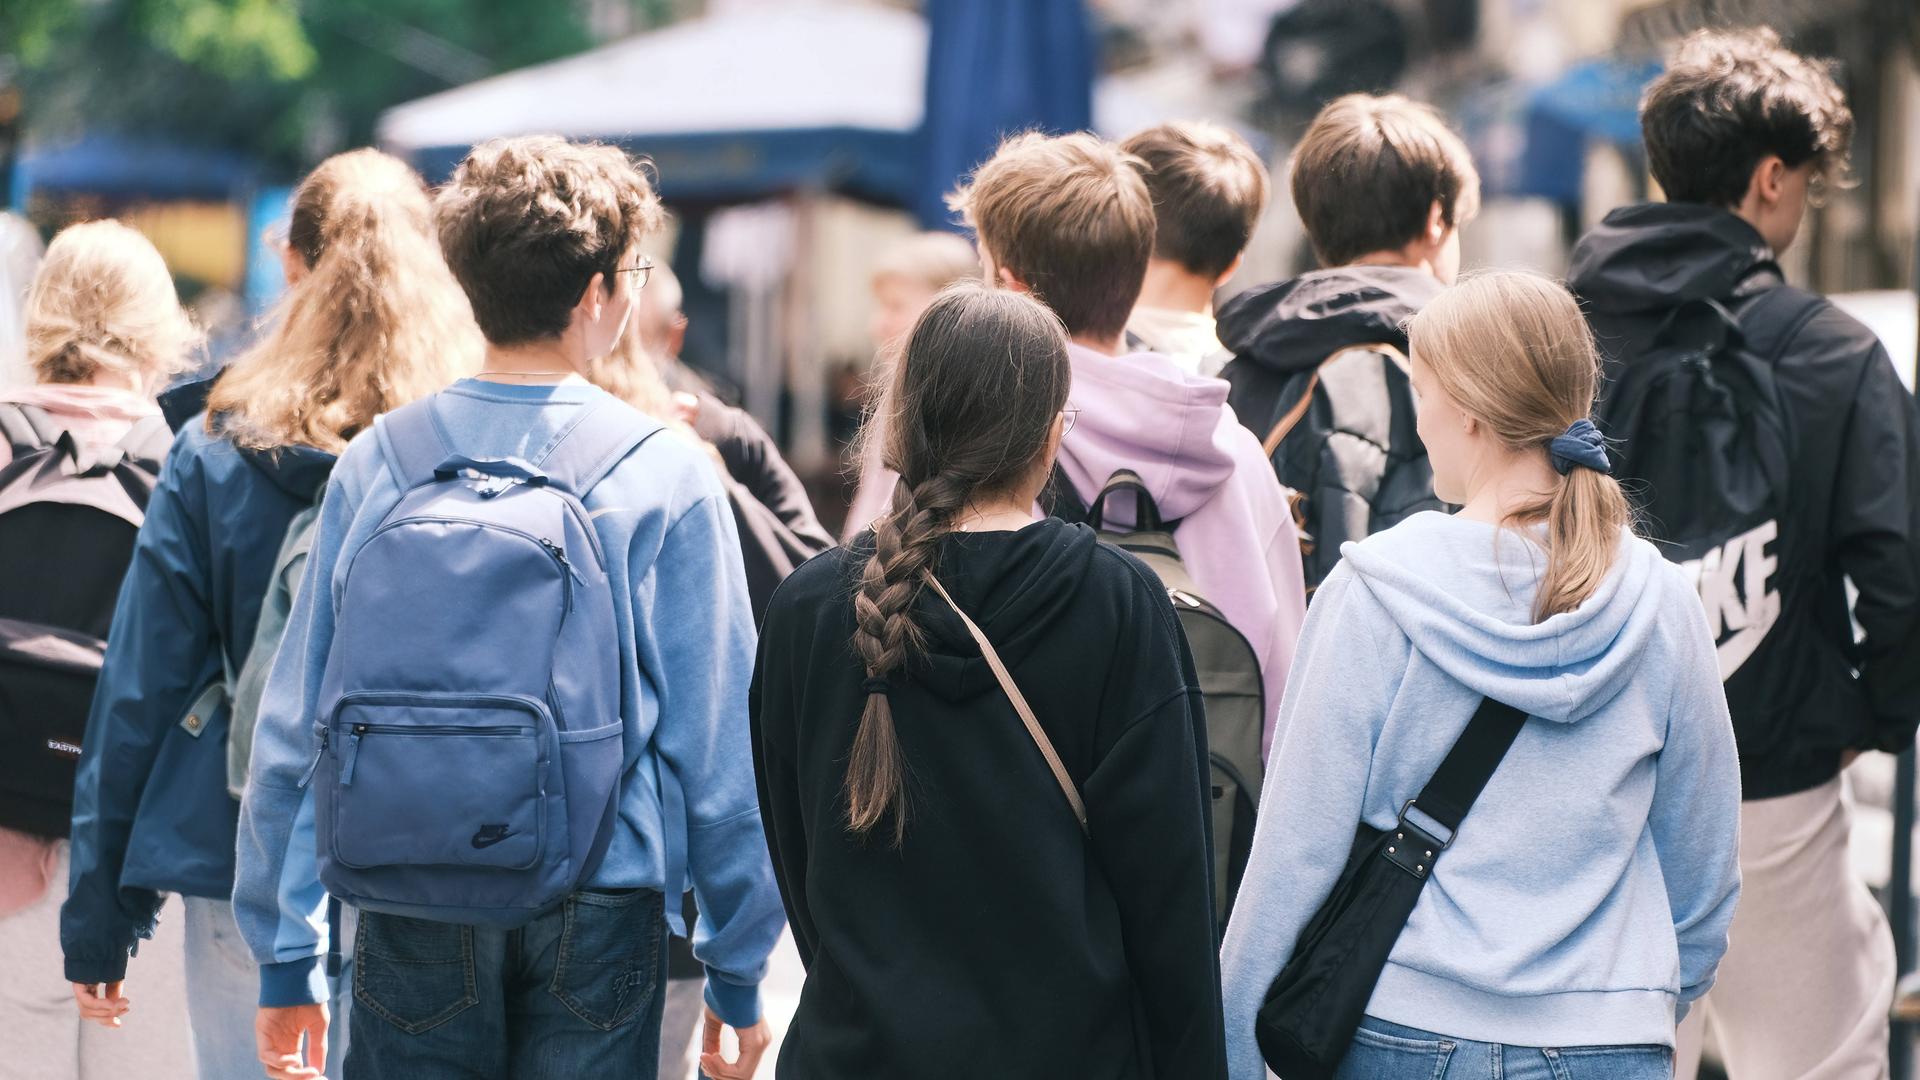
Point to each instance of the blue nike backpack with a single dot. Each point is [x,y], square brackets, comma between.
[469,727]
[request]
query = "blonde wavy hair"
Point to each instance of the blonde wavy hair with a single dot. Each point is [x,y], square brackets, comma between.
[377,322]
[103,304]
[1512,350]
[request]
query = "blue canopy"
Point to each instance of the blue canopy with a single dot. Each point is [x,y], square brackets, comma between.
[132,167]
[995,67]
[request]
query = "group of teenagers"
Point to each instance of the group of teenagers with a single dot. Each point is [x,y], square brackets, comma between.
[565,657]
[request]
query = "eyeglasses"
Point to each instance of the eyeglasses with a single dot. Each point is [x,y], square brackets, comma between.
[644,268]
[1068,417]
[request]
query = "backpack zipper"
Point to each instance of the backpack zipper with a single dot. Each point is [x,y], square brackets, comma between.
[351,753]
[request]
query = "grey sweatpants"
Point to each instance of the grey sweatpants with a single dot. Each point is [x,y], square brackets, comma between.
[1804,990]
[41,1034]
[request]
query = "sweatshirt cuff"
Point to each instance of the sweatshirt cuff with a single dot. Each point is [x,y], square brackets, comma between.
[293,982]
[737,1006]
[89,970]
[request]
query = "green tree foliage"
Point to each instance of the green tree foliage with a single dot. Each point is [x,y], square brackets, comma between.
[284,80]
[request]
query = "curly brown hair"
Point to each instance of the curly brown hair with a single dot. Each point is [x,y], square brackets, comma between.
[970,411]
[527,222]
[1730,99]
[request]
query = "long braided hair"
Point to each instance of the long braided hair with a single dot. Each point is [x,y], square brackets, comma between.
[970,411]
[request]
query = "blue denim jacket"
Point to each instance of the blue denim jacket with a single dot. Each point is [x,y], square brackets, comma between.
[151,812]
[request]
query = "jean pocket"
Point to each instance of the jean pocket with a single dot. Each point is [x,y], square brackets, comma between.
[1610,1062]
[608,969]
[414,973]
[1379,1055]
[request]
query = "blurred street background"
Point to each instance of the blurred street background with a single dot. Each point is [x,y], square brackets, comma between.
[795,140]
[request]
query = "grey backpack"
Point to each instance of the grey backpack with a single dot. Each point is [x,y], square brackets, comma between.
[1229,670]
[248,684]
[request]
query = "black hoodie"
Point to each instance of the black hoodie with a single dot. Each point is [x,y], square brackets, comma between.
[997,940]
[1809,691]
[1355,455]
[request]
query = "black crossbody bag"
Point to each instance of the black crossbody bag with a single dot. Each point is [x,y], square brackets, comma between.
[1315,1005]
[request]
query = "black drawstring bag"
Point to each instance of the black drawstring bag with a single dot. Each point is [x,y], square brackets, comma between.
[1315,1005]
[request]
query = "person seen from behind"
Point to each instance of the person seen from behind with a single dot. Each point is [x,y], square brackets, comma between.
[1069,220]
[985,885]
[518,925]
[104,331]
[1742,134]
[1209,189]
[371,320]
[1584,900]
[1319,372]
[906,279]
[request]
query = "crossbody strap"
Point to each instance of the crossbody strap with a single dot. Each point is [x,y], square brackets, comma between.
[1429,821]
[1289,419]
[1020,706]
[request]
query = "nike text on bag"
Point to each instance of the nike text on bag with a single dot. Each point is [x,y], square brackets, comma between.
[470,746]
[1704,449]
[1230,684]
[68,522]
[1308,1018]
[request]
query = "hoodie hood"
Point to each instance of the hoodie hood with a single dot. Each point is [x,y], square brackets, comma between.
[1014,586]
[1462,591]
[300,471]
[1140,411]
[1654,256]
[1294,325]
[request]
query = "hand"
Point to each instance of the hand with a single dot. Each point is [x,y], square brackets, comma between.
[753,1043]
[101,1003]
[277,1033]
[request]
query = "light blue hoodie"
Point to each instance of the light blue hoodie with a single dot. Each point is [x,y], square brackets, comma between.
[1587,894]
[686,650]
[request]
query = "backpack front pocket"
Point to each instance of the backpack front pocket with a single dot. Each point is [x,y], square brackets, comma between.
[431,780]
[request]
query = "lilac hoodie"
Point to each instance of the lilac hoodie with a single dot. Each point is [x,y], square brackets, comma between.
[1140,411]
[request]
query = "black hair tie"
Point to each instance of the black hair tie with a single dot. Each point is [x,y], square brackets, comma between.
[876,684]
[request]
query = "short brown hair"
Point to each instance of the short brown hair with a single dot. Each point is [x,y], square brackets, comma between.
[1370,168]
[1208,189]
[526,222]
[1731,98]
[1070,216]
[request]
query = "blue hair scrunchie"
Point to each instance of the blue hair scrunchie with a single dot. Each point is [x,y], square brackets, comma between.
[1583,446]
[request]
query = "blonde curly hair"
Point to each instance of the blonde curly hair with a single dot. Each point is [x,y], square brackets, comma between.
[102,308]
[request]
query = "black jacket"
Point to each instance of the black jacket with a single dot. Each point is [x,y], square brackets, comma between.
[778,530]
[1355,457]
[997,941]
[1808,691]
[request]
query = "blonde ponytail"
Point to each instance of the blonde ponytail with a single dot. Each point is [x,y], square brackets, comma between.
[103,305]
[1512,350]
[377,321]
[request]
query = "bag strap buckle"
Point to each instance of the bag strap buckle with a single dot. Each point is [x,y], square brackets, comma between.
[1411,846]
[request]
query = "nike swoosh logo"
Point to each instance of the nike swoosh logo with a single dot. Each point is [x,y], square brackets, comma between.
[491,835]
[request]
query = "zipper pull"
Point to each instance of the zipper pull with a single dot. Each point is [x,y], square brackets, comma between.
[570,574]
[307,777]
[351,753]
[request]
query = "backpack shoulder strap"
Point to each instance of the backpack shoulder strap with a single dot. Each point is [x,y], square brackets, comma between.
[586,450]
[1038,733]
[26,428]
[414,445]
[1298,410]
[1464,773]
[148,441]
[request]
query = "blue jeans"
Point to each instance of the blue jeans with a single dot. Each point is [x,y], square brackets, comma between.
[1383,1051]
[223,995]
[574,993]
